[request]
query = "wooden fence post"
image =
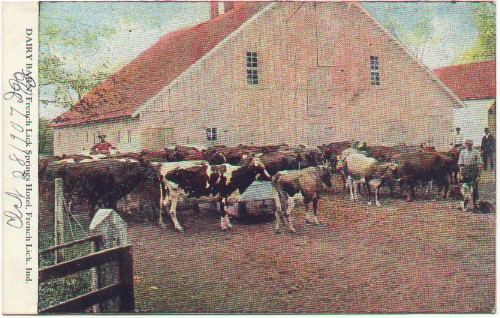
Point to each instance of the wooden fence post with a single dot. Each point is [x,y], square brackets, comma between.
[113,230]
[59,219]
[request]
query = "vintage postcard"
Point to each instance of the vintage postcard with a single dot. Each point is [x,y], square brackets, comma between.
[249,157]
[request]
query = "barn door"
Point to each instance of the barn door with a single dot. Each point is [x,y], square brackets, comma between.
[152,138]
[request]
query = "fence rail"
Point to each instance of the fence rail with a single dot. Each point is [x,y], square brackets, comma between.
[97,239]
[124,289]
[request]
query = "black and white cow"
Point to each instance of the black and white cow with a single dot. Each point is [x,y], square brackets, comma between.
[198,179]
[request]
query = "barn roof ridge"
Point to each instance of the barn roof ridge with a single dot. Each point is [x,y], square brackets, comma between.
[117,96]
[470,81]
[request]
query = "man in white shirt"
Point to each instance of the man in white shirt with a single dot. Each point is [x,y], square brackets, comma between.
[470,168]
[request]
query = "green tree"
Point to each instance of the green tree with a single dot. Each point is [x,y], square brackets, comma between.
[416,35]
[484,47]
[63,79]
[45,138]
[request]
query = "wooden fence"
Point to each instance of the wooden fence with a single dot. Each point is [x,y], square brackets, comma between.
[124,288]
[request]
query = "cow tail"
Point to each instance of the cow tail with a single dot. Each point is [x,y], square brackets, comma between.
[163,191]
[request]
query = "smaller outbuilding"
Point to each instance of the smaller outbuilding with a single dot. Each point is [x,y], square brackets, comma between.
[475,84]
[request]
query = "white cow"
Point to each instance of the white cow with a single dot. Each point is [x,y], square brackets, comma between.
[362,169]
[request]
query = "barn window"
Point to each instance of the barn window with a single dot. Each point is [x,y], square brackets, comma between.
[129,135]
[252,76]
[94,139]
[375,74]
[87,139]
[211,134]
[118,136]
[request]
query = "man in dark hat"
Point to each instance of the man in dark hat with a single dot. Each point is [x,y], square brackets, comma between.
[488,149]
[470,168]
[102,147]
[457,140]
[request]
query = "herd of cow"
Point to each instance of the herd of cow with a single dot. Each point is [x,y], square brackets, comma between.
[220,172]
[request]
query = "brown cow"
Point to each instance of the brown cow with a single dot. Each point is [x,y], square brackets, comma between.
[308,182]
[423,166]
[99,182]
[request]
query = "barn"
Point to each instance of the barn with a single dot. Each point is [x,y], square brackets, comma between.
[266,73]
[475,84]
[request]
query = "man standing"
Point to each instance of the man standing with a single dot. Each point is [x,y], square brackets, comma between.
[457,140]
[488,149]
[470,168]
[102,147]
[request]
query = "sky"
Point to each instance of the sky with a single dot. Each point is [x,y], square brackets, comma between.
[137,25]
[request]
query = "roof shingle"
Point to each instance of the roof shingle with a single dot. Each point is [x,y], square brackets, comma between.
[126,90]
[474,80]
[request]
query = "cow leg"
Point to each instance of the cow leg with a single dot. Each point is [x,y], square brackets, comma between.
[411,194]
[164,200]
[92,206]
[391,187]
[463,205]
[315,209]
[446,188]
[376,186]
[162,210]
[196,206]
[173,213]
[224,218]
[288,213]
[352,188]
[428,189]
[344,180]
[368,188]
[308,216]
[164,204]
[280,205]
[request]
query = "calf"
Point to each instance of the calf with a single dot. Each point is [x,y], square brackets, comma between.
[308,182]
[198,179]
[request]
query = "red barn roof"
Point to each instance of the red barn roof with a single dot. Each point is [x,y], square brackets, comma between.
[470,81]
[126,90]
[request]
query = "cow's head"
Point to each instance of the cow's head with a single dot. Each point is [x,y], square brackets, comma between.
[260,168]
[216,158]
[341,163]
[391,171]
[151,172]
[256,166]
[326,176]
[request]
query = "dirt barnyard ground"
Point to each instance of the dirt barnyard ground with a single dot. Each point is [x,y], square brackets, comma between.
[424,256]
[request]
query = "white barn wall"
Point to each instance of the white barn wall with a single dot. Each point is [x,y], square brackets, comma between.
[472,119]
[79,139]
[304,95]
